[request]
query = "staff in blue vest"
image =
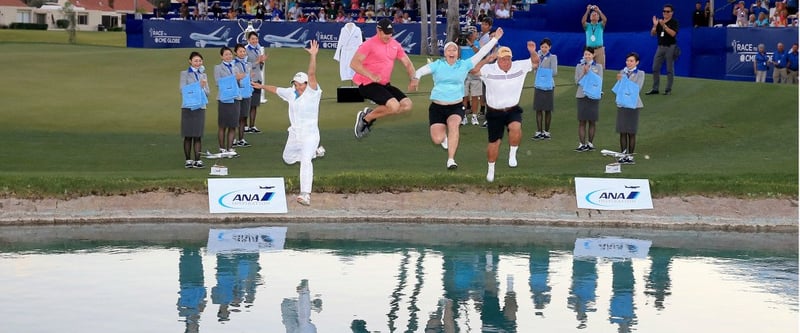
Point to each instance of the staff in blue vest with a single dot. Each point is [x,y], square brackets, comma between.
[760,62]
[629,83]
[780,73]
[791,64]
[589,77]
[227,76]
[194,91]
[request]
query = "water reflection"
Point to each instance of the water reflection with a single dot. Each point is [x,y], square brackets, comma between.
[382,288]
[622,309]
[192,293]
[658,282]
[582,291]
[296,313]
[237,278]
[539,281]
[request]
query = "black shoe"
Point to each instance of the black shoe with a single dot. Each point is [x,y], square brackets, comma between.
[667,92]
[652,92]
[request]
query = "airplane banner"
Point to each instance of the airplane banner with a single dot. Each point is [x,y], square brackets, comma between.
[215,34]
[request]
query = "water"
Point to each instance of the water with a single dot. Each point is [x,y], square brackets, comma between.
[387,287]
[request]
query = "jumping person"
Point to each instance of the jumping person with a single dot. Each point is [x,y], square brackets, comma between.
[504,80]
[373,64]
[193,117]
[445,112]
[303,142]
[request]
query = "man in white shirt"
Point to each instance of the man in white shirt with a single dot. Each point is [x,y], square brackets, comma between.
[504,80]
[303,142]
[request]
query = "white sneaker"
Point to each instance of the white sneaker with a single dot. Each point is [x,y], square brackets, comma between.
[444,143]
[490,174]
[464,120]
[451,164]
[189,164]
[475,120]
[304,199]
[320,152]
[512,160]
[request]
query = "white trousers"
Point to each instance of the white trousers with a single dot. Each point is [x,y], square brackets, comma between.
[302,147]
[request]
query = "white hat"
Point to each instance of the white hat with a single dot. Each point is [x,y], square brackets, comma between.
[300,77]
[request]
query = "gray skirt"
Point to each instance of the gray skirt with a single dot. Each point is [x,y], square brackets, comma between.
[588,109]
[543,100]
[255,99]
[228,114]
[627,120]
[244,108]
[192,122]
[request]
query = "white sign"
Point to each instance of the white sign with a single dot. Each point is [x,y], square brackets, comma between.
[613,193]
[246,239]
[612,247]
[246,195]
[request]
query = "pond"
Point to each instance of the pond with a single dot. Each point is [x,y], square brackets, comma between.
[347,286]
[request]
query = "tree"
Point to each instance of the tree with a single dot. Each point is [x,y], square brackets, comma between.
[453,23]
[424,25]
[69,13]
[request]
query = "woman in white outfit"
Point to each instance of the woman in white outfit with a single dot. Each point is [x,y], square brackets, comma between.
[303,142]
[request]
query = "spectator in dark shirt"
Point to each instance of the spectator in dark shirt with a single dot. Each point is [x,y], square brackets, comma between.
[700,16]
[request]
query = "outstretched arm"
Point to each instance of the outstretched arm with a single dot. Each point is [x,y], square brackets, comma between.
[409,70]
[477,69]
[312,50]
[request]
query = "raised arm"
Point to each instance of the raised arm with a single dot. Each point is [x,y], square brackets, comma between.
[312,50]
[534,55]
[603,18]
[586,16]
[485,49]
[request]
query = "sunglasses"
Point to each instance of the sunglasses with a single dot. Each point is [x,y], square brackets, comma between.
[667,11]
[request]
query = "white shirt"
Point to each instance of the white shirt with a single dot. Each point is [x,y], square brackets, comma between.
[303,110]
[503,89]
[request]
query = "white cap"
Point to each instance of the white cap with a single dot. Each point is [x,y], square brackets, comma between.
[300,77]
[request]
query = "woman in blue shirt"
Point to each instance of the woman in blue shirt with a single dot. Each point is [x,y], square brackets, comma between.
[760,64]
[445,112]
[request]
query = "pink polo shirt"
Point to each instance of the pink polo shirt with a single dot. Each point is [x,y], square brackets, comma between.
[379,59]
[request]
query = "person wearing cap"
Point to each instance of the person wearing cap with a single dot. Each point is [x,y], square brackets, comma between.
[303,142]
[594,29]
[373,64]
[504,80]
[445,112]
[473,87]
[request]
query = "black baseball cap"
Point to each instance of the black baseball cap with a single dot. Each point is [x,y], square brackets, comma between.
[386,26]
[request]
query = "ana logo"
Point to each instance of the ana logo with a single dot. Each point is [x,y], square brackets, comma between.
[247,198]
[607,197]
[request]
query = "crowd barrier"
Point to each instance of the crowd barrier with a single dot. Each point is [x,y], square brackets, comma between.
[714,53]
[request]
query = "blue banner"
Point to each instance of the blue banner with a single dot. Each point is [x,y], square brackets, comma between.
[743,46]
[215,34]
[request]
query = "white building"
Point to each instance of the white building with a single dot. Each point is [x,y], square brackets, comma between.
[12,11]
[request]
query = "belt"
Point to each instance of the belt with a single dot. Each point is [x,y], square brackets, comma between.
[502,109]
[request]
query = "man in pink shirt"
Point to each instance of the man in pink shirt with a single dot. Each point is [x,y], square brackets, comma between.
[373,64]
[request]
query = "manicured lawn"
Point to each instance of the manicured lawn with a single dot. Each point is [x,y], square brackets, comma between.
[91,118]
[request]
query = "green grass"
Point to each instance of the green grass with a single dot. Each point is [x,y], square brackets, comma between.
[93,119]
